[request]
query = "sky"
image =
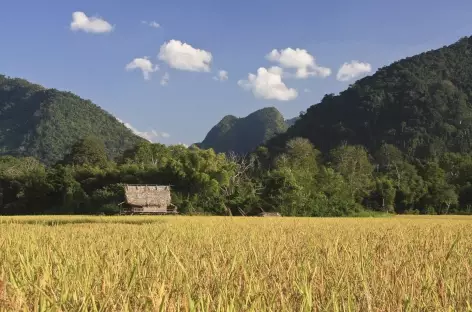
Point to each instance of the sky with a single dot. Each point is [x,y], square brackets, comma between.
[171,69]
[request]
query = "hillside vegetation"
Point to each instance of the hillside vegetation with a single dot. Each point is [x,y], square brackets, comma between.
[421,105]
[243,135]
[45,123]
[396,142]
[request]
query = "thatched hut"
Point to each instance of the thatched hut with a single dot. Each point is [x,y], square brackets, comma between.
[148,199]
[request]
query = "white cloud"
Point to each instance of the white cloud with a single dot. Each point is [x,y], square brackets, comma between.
[306,90]
[268,84]
[222,76]
[300,60]
[94,24]
[180,55]
[152,135]
[144,64]
[353,70]
[152,24]
[165,79]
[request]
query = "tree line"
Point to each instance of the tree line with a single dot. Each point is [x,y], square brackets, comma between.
[297,181]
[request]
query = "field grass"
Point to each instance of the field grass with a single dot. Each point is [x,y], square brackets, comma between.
[235,264]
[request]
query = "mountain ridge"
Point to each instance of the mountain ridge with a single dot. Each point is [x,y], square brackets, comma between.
[45,123]
[420,104]
[242,135]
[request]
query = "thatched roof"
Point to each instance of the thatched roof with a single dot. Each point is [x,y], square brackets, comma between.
[148,195]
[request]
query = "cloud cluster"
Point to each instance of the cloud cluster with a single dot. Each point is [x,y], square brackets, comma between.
[152,135]
[268,84]
[354,69]
[222,76]
[152,24]
[144,64]
[96,25]
[183,56]
[178,55]
[299,59]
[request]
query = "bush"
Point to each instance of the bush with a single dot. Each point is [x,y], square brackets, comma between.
[109,209]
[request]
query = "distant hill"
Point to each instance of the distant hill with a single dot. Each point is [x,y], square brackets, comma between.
[290,122]
[45,123]
[243,135]
[421,104]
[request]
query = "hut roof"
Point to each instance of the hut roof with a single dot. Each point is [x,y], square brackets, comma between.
[148,195]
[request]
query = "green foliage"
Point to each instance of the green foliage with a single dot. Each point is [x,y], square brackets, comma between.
[420,105]
[386,192]
[45,123]
[412,212]
[396,142]
[88,151]
[353,163]
[23,184]
[441,195]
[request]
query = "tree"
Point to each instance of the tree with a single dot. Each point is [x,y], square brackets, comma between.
[301,158]
[147,154]
[283,194]
[24,186]
[385,189]
[441,195]
[409,185]
[353,163]
[389,157]
[446,196]
[88,151]
[334,197]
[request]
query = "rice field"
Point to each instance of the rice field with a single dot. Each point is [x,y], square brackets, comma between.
[235,264]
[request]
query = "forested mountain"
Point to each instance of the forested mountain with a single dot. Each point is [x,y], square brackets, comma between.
[45,123]
[243,135]
[422,105]
[397,142]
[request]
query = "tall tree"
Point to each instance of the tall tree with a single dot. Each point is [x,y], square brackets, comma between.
[353,163]
[88,151]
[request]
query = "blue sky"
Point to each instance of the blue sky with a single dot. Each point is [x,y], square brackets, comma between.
[39,44]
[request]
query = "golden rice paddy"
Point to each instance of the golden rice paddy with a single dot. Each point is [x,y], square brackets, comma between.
[235,264]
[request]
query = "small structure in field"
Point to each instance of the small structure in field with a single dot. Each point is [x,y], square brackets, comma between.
[270,214]
[148,199]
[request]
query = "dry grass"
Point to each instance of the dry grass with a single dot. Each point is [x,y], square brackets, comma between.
[235,264]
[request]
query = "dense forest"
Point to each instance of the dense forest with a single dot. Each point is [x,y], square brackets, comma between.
[244,135]
[298,182]
[422,105]
[45,123]
[395,142]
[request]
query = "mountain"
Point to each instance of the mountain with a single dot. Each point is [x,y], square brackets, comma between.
[421,104]
[45,123]
[243,135]
[290,122]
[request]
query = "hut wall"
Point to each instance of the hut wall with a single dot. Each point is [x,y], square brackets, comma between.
[148,196]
